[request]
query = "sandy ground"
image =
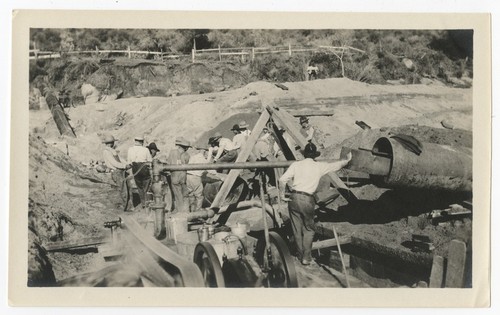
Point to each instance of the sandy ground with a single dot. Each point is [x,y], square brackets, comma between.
[78,200]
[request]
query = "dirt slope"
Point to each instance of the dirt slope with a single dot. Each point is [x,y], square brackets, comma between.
[67,203]
[161,119]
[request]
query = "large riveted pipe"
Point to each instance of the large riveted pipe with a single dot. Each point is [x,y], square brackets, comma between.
[437,166]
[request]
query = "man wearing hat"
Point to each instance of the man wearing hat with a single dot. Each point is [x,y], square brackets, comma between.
[226,151]
[112,160]
[307,130]
[153,149]
[178,156]
[241,134]
[193,182]
[303,178]
[137,156]
[138,152]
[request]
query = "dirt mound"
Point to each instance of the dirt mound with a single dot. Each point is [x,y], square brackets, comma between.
[71,208]
[162,119]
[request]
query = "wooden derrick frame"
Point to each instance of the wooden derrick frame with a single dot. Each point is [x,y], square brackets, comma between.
[288,123]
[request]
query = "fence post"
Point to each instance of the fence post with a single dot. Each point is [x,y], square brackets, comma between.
[128,49]
[220,56]
[253,53]
[192,55]
[289,49]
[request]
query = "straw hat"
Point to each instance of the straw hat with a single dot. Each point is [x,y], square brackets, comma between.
[139,138]
[243,124]
[182,142]
[108,139]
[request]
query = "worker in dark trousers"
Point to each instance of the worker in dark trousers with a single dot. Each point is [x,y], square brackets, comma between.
[178,156]
[303,178]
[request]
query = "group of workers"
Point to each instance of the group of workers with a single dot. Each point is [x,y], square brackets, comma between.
[302,177]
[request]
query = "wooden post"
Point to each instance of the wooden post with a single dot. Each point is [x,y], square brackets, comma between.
[289,49]
[192,55]
[437,272]
[220,56]
[290,124]
[242,157]
[253,53]
[128,50]
[455,269]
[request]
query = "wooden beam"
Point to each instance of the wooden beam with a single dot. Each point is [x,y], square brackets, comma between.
[455,269]
[437,272]
[69,245]
[298,113]
[291,126]
[331,242]
[242,157]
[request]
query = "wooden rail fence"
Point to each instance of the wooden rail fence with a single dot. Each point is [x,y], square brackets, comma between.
[199,54]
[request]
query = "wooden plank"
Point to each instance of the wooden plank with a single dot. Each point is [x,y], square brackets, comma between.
[298,113]
[331,242]
[285,124]
[455,269]
[437,272]
[288,122]
[242,157]
[68,245]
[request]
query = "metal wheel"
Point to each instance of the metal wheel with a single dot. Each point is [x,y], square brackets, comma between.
[281,271]
[207,260]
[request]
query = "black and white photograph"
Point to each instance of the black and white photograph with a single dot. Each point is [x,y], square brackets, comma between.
[253,157]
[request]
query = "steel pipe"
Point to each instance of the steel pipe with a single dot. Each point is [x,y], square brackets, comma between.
[437,167]
[159,166]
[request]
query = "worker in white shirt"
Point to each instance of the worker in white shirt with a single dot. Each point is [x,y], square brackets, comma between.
[305,176]
[263,151]
[244,129]
[239,139]
[138,152]
[113,162]
[312,71]
[193,180]
[307,130]
[226,152]
[140,158]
